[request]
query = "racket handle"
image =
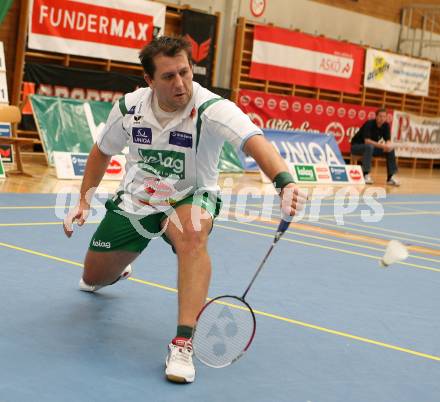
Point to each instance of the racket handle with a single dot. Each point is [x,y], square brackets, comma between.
[282,227]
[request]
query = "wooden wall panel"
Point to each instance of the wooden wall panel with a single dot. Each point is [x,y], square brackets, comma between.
[386,9]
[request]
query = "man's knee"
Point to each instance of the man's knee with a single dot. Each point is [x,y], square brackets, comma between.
[369,149]
[191,239]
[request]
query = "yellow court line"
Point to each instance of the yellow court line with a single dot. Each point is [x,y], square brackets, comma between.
[350,336]
[323,216]
[258,312]
[332,331]
[344,242]
[360,202]
[46,207]
[330,217]
[340,233]
[347,227]
[40,223]
[29,224]
[261,226]
[27,250]
[230,203]
[328,248]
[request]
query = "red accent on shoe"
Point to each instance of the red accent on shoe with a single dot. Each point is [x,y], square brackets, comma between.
[182,342]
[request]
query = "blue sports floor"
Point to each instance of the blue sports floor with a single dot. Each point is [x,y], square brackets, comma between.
[332,326]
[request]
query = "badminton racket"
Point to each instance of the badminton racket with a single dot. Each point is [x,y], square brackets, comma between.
[226,325]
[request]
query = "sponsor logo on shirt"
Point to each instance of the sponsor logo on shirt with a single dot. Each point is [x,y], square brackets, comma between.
[181,139]
[101,244]
[142,135]
[163,163]
[137,118]
[132,109]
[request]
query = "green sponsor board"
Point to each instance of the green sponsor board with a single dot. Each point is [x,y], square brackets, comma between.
[2,169]
[229,160]
[70,125]
[163,163]
[305,173]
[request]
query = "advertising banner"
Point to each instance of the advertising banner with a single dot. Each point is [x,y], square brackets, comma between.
[416,136]
[283,55]
[6,150]
[72,166]
[199,29]
[294,113]
[327,174]
[74,83]
[106,29]
[80,83]
[301,148]
[68,125]
[396,73]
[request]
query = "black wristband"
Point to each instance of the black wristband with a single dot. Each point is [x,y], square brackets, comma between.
[282,179]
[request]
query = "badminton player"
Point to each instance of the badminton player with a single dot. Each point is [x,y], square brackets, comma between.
[174,131]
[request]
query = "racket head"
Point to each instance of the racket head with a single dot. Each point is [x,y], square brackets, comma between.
[224,330]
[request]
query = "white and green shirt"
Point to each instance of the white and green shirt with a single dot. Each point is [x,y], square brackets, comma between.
[167,164]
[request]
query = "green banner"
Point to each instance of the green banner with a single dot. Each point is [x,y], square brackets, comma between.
[305,173]
[5,5]
[2,169]
[70,125]
[229,160]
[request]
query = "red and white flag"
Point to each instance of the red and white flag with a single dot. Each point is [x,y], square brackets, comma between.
[296,58]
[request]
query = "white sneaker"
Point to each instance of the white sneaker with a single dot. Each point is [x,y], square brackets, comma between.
[179,363]
[368,179]
[393,181]
[126,273]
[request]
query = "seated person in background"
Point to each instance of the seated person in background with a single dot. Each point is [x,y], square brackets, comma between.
[366,143]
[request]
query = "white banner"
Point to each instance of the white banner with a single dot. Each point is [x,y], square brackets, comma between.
[70,165]
[3,82]
[416,136]
[106,29]
[2,58]
[392,72]
[326,174]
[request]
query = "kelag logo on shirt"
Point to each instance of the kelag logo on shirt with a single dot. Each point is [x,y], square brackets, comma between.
[164,163]
[142,135]
[181,139]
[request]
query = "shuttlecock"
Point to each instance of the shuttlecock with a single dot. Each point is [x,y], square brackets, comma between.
[395,252]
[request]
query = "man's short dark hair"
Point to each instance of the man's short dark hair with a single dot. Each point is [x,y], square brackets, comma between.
[381,110]
[166,45]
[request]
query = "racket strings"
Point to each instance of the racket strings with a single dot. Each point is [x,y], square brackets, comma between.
[223,332]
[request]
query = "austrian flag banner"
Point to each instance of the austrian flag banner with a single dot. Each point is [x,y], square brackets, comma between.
[106,29]
[293,57]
